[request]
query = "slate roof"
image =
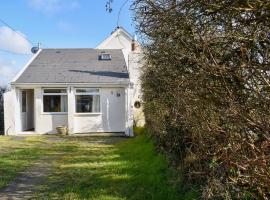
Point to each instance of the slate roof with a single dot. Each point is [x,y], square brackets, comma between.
[75,66]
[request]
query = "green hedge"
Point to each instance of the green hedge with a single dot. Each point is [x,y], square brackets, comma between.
[2,90]
[206,91]
[1,123]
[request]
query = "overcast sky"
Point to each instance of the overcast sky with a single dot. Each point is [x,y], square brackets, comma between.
[56,24]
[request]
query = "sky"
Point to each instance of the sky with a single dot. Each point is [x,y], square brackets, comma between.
[55,24]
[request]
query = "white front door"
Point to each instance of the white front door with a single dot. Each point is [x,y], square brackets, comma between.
[116,110]
[24,110]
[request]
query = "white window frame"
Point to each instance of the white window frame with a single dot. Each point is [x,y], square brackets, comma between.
[87,94]
[102,56]
[54,94]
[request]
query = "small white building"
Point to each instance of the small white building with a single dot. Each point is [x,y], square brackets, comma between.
[86,90]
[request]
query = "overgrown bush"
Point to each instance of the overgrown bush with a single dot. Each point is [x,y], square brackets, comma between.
[206,89]
[2,90]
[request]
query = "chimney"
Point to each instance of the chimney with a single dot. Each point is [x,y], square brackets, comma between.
[133,46]
[133,43]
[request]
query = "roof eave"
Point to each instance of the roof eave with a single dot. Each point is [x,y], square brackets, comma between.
[108,84]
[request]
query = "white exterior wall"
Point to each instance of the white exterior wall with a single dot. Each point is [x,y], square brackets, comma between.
[121,40]
[46,122]
[17,109]
[43,123]
[129,111]
[110,119]
[9,117]
[12,111]
[135,65]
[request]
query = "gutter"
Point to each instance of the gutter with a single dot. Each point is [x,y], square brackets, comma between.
[125,84]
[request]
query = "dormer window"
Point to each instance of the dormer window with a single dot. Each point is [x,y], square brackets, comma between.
[105,56]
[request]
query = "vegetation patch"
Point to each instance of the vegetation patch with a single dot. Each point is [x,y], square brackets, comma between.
[93,167]
[129,169]
[206,91]
[2,91]
[16,156]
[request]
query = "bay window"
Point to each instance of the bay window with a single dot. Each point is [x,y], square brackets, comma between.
[55,100]
[87,100]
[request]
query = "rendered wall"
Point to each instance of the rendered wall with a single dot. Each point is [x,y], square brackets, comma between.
[45,122]
[111,118]
[135,69]
[120,40]
[12,115]
[9,118]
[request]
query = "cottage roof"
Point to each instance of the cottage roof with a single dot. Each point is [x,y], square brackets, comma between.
[75,66]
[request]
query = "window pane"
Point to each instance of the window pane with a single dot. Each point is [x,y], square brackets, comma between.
[105,56]
[87,103]
[64,103]
[55,90]
[96,103]
[23,101]
[55,103]
[87,90]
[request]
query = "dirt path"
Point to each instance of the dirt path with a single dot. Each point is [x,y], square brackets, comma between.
[25,185]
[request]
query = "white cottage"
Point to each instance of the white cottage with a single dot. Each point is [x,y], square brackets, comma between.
[86,90]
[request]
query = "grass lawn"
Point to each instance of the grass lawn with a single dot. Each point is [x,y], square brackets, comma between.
[16,155]
[93,168]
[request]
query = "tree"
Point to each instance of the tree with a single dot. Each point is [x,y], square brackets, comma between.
[2,91]
[206,90]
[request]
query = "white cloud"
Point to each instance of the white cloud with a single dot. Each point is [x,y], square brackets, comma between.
[53,6]
[8,70]
[13,42]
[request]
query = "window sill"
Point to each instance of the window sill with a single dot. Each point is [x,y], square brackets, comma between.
[54,113]
[87,114]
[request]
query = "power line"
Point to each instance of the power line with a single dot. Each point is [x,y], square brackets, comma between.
[20,34]
[7,51]
[118,18]
[5,23]
[120,10]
